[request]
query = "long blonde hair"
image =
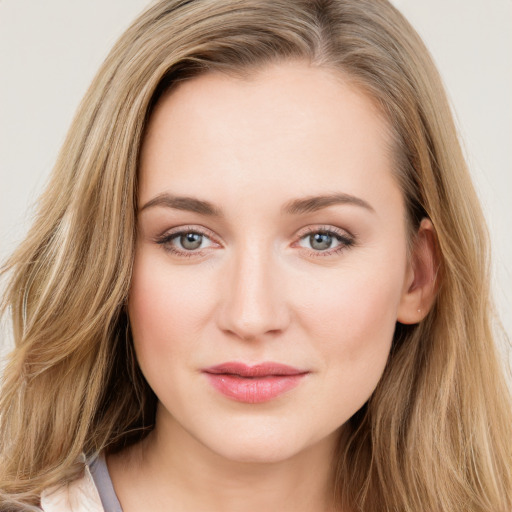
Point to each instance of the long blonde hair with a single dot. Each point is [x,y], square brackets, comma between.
[437,432]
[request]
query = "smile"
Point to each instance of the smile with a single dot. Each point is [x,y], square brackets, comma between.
[253,384]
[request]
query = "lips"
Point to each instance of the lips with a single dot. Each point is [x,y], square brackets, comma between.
[254,384]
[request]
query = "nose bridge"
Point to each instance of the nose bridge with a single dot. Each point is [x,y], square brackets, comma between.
[253,298]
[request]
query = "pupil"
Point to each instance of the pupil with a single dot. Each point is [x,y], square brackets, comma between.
[321,241]
[191,240]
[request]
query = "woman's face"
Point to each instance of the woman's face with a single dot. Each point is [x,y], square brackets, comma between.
[271,230]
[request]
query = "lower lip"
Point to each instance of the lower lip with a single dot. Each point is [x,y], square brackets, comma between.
[253,390]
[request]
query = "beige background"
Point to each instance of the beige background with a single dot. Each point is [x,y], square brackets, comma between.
[50,50]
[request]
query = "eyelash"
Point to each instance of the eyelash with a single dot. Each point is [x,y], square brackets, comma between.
[165,240]
[346,241]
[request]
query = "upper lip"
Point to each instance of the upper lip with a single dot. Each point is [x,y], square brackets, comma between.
[259,370]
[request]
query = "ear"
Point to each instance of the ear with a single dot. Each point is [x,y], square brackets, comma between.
[420,285]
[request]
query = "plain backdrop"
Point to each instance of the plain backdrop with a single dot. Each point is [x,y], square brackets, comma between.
[51,49]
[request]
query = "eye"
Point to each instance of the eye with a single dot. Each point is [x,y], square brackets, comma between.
[185,242]
[325,241]
[190,241]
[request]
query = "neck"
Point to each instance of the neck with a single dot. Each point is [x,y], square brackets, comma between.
[171,470]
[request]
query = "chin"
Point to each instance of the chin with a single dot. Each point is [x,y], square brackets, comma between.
[257,453]
[259,447]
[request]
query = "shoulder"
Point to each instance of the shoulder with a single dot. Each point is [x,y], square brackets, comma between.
[80,495]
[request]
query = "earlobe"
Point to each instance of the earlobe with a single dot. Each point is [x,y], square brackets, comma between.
[420,284]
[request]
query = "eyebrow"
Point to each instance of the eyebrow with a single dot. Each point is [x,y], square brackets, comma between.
[190,204]
[295,207]
[315,203]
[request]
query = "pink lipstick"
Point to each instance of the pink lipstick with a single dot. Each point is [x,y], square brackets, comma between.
[253,384]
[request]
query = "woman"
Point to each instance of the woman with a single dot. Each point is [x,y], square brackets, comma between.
[258,279]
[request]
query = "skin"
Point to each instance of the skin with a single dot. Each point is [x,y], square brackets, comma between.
[258,290]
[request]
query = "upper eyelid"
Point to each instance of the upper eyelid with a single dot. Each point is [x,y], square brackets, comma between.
[169,235]
[325,229]
[187,229]
[300,233]
[339,233]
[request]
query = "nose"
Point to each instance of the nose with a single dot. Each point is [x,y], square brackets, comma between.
[253,298]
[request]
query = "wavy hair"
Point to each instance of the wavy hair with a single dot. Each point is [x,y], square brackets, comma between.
[436,433]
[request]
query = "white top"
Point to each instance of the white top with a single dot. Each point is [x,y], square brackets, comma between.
[93,492]
[78,496]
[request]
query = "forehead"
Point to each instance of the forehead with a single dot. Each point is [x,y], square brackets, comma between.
[286,128]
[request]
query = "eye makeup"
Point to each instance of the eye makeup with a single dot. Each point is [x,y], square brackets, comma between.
[314,234]
[323,237]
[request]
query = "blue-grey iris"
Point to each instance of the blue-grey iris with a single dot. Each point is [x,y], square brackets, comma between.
[320,241]
[191,240]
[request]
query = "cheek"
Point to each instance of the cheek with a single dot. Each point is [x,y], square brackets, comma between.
[167,310]
[352,324]
[360,306]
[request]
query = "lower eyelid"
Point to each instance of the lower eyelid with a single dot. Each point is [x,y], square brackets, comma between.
[342,236]
[345,242]
[167,239]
